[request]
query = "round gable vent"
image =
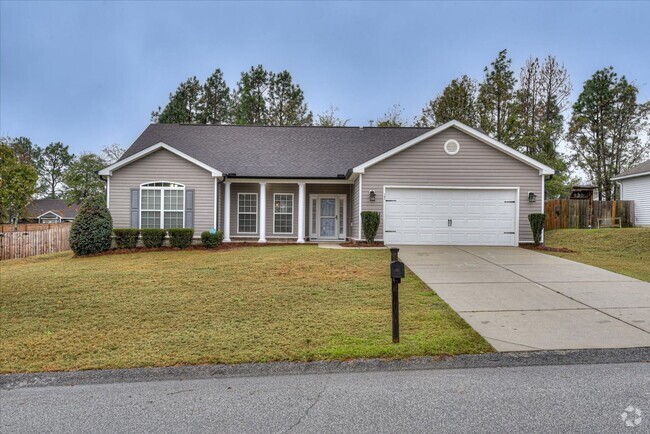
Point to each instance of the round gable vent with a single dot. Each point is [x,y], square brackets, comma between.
[452,147]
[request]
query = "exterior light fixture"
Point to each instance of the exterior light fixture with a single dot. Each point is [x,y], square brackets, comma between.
[532,197]
[372,195]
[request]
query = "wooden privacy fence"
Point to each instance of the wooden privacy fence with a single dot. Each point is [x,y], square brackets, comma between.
[582,214]
[21,244]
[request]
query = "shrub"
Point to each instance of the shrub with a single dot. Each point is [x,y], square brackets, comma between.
[181,238]
[126,238]
[92,229]
[211,240]
[153,238]
[537,226]
[370,224]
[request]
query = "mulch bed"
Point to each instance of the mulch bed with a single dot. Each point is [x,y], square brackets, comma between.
[221,248]
[547,249]
[362,244]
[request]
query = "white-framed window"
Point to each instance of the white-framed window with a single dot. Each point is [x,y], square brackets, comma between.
[162,205]
[246,213]
[283,213]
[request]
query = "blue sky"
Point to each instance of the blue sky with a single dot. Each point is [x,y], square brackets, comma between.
[89,74]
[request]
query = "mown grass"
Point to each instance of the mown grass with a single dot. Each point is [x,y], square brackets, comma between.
[251,304]
[625,251]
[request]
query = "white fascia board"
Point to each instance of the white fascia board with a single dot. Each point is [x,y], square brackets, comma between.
[49,212]
[243,180]
[108,171]
[543,169]
[634,175]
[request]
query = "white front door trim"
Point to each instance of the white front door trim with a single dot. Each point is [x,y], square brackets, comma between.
[341,223]
[440,187]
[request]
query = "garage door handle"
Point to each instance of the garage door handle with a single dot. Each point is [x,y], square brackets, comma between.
[509,201]
[391,200]
[509,233]
[390,231]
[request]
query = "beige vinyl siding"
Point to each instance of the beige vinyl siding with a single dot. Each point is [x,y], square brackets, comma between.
[476,165]
[638,190]
[271,189]
[234,226]
[162,165]
[354,211]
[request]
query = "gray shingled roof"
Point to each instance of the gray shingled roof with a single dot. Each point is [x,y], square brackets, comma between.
[640,168]
[284,152]
[41,206]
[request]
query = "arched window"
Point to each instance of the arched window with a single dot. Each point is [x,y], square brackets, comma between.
[162,205]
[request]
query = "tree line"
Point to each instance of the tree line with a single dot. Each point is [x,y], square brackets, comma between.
[607,131]
[28,170]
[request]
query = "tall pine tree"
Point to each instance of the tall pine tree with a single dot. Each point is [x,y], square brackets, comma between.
[215,105]
[456,102]
[183,106]
[608,129]
[496,99]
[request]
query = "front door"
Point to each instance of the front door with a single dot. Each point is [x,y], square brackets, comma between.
[328,225]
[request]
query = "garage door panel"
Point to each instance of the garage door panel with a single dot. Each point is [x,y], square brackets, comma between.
[478,216]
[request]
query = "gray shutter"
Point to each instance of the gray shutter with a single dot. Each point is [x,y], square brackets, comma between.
[189,208]
[135,208]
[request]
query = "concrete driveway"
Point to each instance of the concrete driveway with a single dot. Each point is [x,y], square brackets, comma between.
[522,300]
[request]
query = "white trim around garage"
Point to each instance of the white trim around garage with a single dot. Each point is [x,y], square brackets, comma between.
[440,187]
[108,171]
[543,169]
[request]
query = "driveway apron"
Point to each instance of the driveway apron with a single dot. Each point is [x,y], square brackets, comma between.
[521,300]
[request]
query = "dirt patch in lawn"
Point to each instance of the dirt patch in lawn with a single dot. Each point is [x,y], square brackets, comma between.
[546,248]
[362,244]
[221,248]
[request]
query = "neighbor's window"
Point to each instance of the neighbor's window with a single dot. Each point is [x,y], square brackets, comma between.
[162,205]
[282,213]
[246,213]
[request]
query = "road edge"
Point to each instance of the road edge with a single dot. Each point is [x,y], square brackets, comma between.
[465,361]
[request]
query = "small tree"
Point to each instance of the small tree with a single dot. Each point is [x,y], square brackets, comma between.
[537,226]
[370,224]
[92,229]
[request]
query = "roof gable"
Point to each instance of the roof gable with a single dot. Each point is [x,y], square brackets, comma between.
[543,169]
[151,149]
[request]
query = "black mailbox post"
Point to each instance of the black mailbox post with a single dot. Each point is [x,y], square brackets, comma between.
[396,275]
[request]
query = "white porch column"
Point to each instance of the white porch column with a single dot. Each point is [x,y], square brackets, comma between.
[301,212]
[262,213]
[226,212]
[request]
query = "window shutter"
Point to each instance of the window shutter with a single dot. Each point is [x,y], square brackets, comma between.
[189,208]
[135,208]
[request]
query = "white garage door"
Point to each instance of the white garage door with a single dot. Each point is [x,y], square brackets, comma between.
[450,216]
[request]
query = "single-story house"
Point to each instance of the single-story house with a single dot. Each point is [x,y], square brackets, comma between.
[50,211]
[635,185]
[447,185]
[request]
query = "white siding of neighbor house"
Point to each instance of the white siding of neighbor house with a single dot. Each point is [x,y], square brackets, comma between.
[638,190]
[475,165]
[162,165]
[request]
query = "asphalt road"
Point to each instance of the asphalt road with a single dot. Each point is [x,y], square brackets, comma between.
[576,398]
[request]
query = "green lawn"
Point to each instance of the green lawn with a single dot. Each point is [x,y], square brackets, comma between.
[625,251]
[250,304]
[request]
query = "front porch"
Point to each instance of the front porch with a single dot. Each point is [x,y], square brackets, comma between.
[282,210]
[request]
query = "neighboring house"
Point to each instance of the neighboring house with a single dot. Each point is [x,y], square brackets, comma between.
[448,185]
[50,211]
[635,185]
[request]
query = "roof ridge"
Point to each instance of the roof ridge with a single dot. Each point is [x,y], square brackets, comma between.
[360,127]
